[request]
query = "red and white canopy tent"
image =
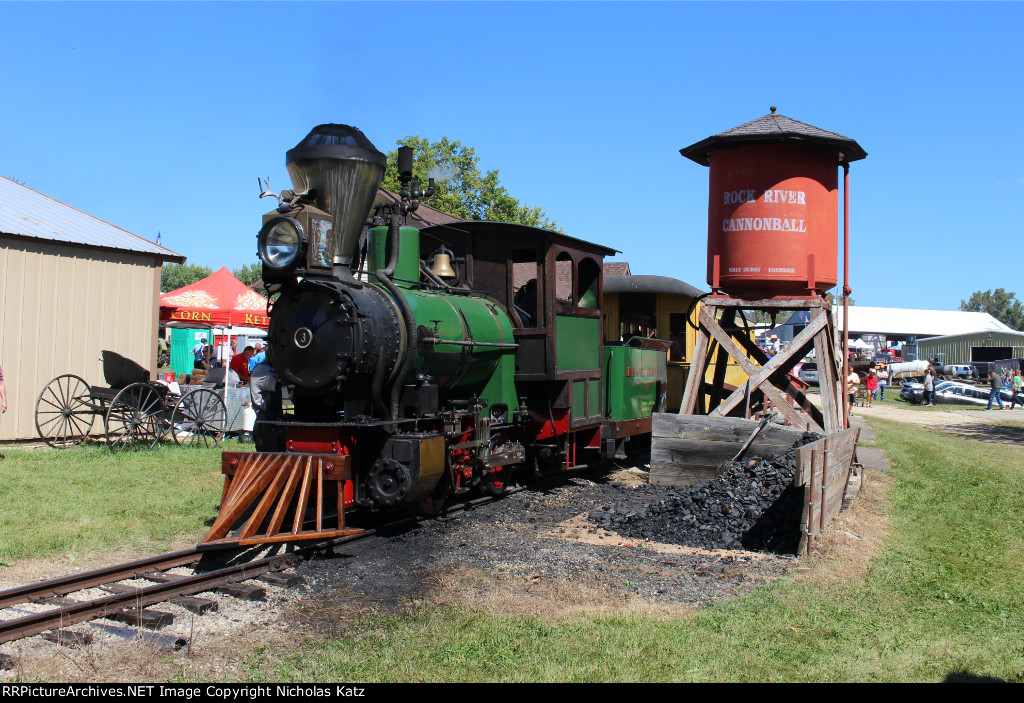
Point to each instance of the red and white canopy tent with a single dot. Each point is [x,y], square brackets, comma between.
[219,300]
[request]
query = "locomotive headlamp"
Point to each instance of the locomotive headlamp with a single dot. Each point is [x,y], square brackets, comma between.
[280,243]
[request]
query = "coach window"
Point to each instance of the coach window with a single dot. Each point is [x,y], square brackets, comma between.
[526,277]
[564,283]
[589,275]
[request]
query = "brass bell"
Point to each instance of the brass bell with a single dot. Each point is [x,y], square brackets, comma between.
[441,264]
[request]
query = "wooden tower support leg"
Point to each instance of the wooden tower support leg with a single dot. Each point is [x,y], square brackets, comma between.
[721,362]
[831,407]
[695,380]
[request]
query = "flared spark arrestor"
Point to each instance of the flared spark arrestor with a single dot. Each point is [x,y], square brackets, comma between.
[773,206]
[345,169]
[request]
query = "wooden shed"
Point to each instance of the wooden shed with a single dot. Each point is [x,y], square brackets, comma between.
[71,285]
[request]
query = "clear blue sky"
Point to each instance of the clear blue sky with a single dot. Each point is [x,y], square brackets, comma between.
[160,117]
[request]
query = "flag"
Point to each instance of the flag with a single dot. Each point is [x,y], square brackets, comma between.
[158,238]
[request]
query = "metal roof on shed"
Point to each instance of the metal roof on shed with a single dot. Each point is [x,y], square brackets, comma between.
[919,323]
[1015,338]
[25,212]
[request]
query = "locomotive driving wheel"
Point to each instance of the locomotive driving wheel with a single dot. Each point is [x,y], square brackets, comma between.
[432,504]
[495,482]
[134,418]
[64,411]
[199,419]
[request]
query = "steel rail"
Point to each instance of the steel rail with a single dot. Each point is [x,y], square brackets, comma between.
[118,572]
[141,597]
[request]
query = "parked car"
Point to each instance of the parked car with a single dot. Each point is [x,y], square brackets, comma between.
[958,371]
[952,393]
[912,392]
[809,373]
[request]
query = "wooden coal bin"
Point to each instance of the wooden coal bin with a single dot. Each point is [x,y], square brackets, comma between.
[687,449]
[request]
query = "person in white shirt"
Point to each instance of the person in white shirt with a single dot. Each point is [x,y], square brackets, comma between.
[852,383]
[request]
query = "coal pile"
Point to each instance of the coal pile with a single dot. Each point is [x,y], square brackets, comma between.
[752,504]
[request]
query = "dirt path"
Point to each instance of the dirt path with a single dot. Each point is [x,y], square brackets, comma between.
[970,423]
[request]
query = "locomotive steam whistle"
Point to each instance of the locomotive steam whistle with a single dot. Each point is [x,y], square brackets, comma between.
[410,198]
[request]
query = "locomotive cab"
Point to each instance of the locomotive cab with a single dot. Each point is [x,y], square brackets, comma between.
[552,286]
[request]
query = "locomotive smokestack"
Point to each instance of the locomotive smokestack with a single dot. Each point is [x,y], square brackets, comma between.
[345,169]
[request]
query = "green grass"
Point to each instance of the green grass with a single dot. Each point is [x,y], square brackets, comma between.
[943,601]
[86,499]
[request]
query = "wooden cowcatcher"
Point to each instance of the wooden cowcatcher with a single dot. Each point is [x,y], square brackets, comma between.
[721,336]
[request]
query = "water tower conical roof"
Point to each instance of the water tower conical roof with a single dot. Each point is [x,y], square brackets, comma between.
[773,128]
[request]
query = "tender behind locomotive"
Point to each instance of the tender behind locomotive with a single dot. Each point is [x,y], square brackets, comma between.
[433,373]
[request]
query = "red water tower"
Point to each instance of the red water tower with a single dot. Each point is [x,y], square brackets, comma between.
[772,248]
[773,206]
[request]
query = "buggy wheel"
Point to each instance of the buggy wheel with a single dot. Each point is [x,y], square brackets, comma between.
[64,411]
[134,417]
[199,419]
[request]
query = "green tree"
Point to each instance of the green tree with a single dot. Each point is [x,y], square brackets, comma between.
[460,187]
[1000,304]
[175,276]
[249,273]
[833,295]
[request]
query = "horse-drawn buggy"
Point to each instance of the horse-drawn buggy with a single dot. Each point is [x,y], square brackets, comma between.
[137,412]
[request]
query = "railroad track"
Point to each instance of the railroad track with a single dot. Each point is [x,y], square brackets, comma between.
[128,603]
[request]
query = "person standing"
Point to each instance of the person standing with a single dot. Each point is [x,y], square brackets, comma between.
[266,400]
[883,380]
[197,352]
[258,357]
[226,352]
[871,386]
[852,382]
[240,364]
[996,386]
[929,387]
[1018,385]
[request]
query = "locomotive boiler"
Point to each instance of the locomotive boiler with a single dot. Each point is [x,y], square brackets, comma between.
[418,363]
